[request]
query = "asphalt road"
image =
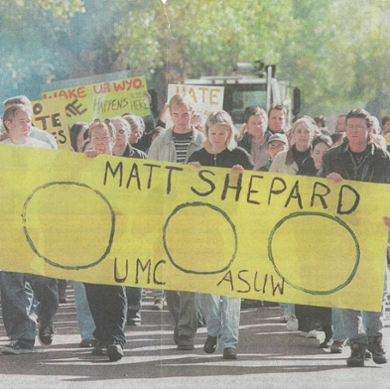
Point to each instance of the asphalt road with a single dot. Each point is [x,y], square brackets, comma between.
[269,357]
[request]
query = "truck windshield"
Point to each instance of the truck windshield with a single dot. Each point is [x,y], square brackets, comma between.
[239,97]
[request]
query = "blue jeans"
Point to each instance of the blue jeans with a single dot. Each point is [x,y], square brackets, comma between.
[339,333]
[222,316]
[84,317]
[18,291]
[288,310]
[373,322]
[158,294]
[108,305]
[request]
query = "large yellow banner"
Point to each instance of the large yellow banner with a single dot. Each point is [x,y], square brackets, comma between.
[160,225]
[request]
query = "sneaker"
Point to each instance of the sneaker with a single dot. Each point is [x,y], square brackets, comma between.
[311,334]
[16,347]
[292,324]
[229,353]
[337,347]
[46,335]
[99,349]
[357,355]
[378,353]
[284,318]
[211,344]
[114,352]
[158,305]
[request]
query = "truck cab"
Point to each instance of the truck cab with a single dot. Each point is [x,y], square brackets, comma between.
[251,86]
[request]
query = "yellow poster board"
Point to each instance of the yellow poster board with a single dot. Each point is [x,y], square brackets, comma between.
[204,99]
[103,100]
[161,225]
[50,116]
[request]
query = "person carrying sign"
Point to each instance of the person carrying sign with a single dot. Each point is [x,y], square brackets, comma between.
[35,133]
[108,303]
[222,313]
[359,158]
[176,145]
[19,290]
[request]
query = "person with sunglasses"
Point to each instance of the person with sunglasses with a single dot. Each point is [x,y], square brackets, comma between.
[122,146]
[108,303]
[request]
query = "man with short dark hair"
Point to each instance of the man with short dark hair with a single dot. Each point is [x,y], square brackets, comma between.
[277,117]
[359,158]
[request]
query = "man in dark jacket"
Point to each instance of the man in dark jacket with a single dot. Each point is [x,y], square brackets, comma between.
[359,158]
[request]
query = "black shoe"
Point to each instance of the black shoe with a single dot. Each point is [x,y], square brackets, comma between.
[326,343]
[229,353]
[378,353]
[328,338]
[99,349]
[337,347]
[46,335]
[185,345]
[87,343]
[133,318]
[114,352]
[211,344]
[357,355]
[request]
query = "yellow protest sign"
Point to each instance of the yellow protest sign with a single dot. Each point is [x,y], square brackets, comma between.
[205,99]
[50,116]
[103,100]
[162,225]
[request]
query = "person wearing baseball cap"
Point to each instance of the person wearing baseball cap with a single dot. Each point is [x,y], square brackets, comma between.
[277,142]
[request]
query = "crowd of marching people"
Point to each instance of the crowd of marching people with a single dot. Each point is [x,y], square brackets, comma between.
[356,150]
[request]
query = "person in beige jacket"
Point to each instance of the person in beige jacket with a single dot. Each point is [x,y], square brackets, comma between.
[289,162]
[302,134]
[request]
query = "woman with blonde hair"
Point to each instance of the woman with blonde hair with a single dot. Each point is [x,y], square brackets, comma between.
[220,148]
[222,314]
[289,162]
[302,134]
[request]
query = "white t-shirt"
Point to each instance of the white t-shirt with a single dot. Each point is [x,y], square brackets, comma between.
[30,142]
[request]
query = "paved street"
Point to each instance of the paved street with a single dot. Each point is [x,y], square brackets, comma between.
[270,357]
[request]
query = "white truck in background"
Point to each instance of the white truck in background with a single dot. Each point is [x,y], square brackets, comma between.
[252,85]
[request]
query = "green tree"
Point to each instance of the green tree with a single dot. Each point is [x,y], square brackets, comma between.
[191,38]
[336,52]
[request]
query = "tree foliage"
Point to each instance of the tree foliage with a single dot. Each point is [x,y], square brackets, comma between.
[336,51]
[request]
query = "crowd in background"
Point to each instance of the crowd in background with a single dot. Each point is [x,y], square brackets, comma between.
[356,149]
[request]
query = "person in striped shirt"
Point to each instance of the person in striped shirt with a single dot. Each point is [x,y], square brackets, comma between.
[176,145]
